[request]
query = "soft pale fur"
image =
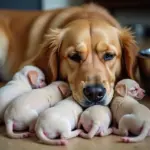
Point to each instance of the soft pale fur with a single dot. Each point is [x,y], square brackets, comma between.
[96,120]
[24,110]
[25,80]
[59,121]
[47,39]
[130,115]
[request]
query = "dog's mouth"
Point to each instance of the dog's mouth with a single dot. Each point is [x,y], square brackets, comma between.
[88,103]
[93,94]
[104,100]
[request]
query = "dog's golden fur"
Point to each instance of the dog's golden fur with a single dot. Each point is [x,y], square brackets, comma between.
[48,39]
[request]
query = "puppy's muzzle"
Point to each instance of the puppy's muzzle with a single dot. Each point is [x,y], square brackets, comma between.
[94,93]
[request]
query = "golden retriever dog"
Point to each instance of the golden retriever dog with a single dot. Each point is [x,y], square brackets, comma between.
[84,46]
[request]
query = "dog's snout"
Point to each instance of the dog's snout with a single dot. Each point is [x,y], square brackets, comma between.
[94,93]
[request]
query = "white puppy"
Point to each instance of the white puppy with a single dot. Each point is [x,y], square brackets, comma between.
[130,115]
[95,120]
[24,110]
[23,81]
[59,121]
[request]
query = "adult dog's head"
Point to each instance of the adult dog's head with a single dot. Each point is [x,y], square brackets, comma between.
[89,52]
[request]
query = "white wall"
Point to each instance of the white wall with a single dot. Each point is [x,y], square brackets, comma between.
[52,4]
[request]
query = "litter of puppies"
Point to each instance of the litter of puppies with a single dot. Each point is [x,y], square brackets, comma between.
[51,113]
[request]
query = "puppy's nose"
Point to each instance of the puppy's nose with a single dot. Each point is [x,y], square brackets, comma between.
[94,93]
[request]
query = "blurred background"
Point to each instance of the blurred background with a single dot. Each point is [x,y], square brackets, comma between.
[131,13]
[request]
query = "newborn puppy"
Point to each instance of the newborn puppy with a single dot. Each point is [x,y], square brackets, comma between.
[24,110]
[130,115]
[59,121]
[23,81]
[95,120]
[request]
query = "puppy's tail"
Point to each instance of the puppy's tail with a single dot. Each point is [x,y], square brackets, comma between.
[46,140]
[11,134]
[91,133]
[143,134]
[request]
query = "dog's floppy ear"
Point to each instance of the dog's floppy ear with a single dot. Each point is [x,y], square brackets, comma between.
[46,57]
[52,43]
[129,49]
[121,89]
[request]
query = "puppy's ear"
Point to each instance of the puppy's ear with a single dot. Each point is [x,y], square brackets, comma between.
[121,89]
[65,90]
[129,49]
[32,77]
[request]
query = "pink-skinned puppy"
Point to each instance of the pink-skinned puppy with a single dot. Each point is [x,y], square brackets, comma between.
[129,114]
[96,120]
[59,122]
[24,110]
[25,80]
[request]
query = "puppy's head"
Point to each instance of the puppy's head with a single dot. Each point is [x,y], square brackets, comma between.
[34,75]
[131,88]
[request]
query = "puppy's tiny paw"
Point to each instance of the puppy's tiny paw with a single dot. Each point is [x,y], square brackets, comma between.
[64,142]
[101,133]
[125,139]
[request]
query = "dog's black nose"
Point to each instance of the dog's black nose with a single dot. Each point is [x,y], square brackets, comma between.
[145,52]
[94,93]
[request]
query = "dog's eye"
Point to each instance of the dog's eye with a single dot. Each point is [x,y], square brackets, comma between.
[108,56]
[75,57]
